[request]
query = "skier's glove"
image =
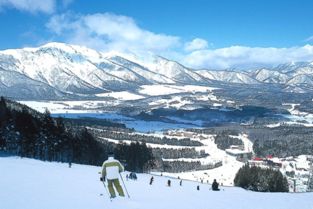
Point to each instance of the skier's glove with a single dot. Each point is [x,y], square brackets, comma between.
[102,178]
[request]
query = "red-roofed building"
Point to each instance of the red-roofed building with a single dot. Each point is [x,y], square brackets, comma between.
[257,159]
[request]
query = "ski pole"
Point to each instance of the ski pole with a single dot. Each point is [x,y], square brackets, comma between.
[106,189]
[124,186]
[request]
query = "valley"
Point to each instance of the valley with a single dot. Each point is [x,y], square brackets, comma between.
[190,118]
[192,143]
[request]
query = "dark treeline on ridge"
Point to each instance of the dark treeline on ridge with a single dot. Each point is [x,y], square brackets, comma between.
[27,133]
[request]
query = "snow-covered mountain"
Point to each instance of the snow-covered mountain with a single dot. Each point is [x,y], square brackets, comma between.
[270,76]
[228,76]
[58,70]
[15,84]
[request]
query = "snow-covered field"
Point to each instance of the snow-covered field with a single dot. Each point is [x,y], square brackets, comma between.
[121,95]
[62,107]
[154,90]
[112,99]
[32,184]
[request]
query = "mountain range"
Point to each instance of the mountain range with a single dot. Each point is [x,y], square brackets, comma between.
[63,71]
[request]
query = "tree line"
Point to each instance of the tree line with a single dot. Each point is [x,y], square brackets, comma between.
[27,133]
[261,179]
[170,153]
[282,141]
[145,138]
[224,141]
[178,166]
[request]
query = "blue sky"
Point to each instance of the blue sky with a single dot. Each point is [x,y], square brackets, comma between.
[198,33]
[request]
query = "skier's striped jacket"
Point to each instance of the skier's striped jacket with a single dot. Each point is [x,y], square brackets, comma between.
[111,168]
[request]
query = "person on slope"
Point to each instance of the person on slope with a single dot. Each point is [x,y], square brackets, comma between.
[215,186]
[169,183]
[151,180]
[110,171]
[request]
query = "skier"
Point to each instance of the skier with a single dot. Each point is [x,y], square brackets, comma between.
[110,171]
[198,187]
[151,180]
[168,183]
[133,176]
[181,183]
[215,186]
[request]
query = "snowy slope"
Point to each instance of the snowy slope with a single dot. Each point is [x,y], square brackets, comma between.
[20,86]
[270,76]
[150,76]
[175,71]
[32,184]
[228,76]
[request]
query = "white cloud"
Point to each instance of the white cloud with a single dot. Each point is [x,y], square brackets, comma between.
[33,6]
[196,44]
[245,57]
[106,31]
[309,39]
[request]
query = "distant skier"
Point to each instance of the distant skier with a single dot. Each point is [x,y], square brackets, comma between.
[110,171]
[198,187]
[168,183]
[127,177]
[133,176]
[151,180]
[215,186]
[181,183]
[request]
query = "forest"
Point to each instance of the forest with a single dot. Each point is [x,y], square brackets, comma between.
[27,133]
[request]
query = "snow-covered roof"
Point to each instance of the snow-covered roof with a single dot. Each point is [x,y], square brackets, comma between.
[237,151]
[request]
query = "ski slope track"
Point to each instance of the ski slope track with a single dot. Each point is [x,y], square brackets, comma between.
[32,184]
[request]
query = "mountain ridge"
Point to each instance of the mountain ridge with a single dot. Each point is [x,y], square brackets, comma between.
[83,72]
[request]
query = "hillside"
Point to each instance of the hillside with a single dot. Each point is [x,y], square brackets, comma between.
[32,184]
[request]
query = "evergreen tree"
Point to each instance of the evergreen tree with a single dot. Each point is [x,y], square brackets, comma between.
[260,179]
[137,156]
[4,113]
[26,125]
[310,183]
